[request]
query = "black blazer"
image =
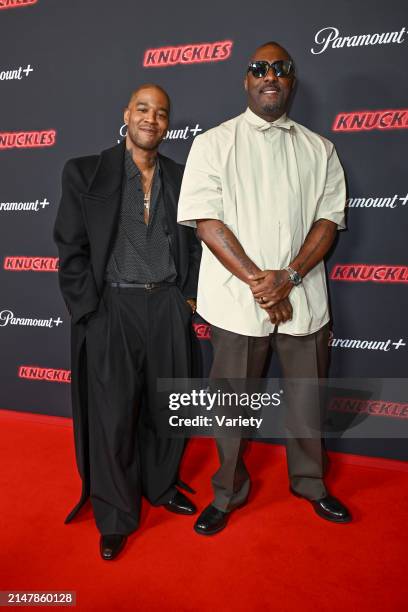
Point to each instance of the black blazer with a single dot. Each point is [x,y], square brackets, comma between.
[87,221]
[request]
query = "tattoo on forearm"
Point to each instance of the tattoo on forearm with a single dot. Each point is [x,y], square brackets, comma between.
[229,246]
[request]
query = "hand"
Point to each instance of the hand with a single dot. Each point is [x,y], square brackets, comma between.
[281,312]
[192,303]
[270,287]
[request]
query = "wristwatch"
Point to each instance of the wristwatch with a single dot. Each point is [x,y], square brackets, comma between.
[294,276]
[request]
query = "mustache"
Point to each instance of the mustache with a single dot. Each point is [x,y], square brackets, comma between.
[272,87]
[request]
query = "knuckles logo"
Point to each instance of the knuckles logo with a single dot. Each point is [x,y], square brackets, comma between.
[27,140]
[8,4]
[363,273]
[188,54]
[202,331]
[380,408]
[396,119]
[44,374]
[31,264]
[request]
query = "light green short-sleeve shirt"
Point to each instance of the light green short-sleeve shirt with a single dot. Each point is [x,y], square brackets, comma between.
[268,182]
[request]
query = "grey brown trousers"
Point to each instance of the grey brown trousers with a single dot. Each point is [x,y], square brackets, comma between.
[300,357]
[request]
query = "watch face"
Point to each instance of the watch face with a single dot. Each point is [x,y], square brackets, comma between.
[294,276]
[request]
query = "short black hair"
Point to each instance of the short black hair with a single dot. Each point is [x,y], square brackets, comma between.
[274,43]
[151,86]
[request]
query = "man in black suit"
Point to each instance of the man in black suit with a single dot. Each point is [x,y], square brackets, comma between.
[128,274]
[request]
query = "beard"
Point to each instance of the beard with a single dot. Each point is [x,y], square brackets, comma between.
[271,109]
[139,142]
[276,106]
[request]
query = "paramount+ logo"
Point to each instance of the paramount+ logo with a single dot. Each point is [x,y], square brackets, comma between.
[330,37]
[188,54]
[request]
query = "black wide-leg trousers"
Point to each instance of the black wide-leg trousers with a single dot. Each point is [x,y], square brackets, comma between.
[136,336]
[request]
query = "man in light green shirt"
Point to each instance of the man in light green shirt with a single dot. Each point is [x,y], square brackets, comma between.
[267,196]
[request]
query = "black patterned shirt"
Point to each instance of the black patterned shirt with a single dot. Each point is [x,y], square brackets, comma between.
[141,253]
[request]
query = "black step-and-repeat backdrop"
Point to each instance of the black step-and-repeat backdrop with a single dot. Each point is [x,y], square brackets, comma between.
[66,70]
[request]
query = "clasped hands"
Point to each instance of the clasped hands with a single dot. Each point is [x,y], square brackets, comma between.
[271,289]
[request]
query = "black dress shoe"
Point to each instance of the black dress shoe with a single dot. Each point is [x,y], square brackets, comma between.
[180,504]
[329,508]
[111,545]
[211,521]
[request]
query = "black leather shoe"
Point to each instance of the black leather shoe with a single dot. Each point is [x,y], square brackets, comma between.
[111,545]
[180,504]
[329,508]
[211,521]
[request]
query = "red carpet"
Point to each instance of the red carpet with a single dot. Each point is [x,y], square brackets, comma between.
[275,554]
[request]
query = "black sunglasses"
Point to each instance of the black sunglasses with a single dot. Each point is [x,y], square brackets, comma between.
[281,68]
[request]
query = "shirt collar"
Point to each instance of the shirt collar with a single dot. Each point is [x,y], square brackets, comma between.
[131,169]
[262,125]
